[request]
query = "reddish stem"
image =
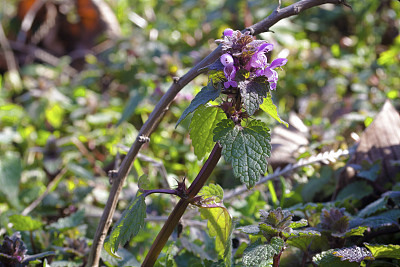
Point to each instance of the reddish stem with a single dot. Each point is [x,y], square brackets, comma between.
[180,208]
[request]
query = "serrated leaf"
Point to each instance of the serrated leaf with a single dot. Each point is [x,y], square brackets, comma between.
[216,65]
[206,94]
[246,148]
[384,251]
[372,172]
[353,254]
[269,107]
[327,259]
[201,129]
[212,190]
[268,231]
[10,175]
[144,182]
[24,223]
[372,208]
[388,218]
[219,225]
[259,254]
[128,226]
[301,223]
[252,93]
[250,229]
[358,231]
[69,222]
[302,239]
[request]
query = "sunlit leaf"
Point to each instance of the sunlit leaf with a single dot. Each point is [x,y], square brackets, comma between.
[384,251]
[252,94]
[353,254]
[261,254]
[269,107]
[201,129]
[206,94]
[24,223]
[128,226]
[246,148]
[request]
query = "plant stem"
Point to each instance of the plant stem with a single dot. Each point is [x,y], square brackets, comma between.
[180,208]
[277,259]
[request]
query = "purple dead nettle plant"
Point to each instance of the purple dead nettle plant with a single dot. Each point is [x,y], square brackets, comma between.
[243,52]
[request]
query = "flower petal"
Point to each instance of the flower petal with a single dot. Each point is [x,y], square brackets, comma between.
[278,62]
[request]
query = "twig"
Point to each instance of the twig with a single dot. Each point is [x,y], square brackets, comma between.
[325,157]
[49,187]
[159,111]
[180,208]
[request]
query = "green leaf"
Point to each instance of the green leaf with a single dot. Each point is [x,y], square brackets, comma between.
[358,231]
[134,101]
[388,218]
[24,223]
[327,259]
[302,239]
[144,182]
[128,226]
[384,251]
[10,175]
[206,94]
[356,190]
[212,190]
[69,222]
[259,254]
[219,222]
[372,208]
[353,254]
[246,148]
[250,229]
[301,223]
[201,129]
[252,94]
[269,107]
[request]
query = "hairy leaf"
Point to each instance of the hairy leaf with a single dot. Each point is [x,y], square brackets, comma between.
[388,218]
[384,251]
[212,191]
[358,231]
[250,229]
[269,107]
[301,223]
[24,223]
[353,254]
[216,65]
[302,239]
[128,226]
[144,182]
[206,94]
[326,258]
[372,208]
[201,129]
[246,148]
[252,94]
[219,222]
[259,254]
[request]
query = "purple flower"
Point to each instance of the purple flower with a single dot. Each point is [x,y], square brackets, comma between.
[230,72]
[228,32]
[226,59]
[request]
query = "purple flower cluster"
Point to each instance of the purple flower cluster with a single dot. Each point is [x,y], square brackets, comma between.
[243,52]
